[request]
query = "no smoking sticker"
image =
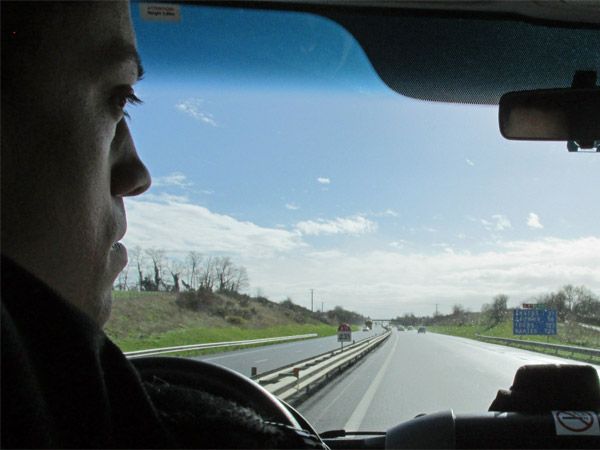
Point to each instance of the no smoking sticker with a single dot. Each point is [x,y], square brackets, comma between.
[578,423]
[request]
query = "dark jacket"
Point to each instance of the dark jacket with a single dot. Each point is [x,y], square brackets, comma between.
[65,384]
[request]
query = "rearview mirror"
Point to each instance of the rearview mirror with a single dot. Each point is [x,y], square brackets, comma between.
[552,115]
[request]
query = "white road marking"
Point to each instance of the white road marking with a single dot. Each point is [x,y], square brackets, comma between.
[332,402]
[261,360]
[359,413]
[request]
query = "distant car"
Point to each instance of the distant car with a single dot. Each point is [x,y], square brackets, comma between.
[366,329]
[400,328]
[410,328]
[422,330]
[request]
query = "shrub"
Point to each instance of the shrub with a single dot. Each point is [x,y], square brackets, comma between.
[235,320]
[264,301]
[200,300]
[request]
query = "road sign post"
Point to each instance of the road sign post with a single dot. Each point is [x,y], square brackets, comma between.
[344,334]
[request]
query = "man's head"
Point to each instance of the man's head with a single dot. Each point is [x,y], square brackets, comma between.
[68,158]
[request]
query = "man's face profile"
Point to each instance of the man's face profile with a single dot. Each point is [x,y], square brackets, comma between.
[68,158]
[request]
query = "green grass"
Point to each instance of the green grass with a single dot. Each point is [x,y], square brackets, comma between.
[567,334]
[190,336]
[146,320]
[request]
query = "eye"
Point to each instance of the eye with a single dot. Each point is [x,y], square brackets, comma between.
[123,97]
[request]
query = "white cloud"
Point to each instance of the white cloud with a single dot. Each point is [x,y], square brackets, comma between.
[384,282]
[502,223]
[163,197]
[323,180]
[533,221]
[499,223]
[173,179]
[191,107]
[169,223]
[469,162]
[390,283]
[292,206]
[387,213]
[349,225]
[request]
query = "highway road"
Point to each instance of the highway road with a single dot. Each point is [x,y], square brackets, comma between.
[278,355]
[418,373]
[409,374]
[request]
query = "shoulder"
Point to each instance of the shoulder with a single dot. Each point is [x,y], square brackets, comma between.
[64,383]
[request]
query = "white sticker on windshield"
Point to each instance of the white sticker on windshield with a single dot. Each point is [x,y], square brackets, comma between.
[578,423]
[160,12]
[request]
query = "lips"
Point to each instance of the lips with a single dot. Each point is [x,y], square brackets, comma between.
[118,254]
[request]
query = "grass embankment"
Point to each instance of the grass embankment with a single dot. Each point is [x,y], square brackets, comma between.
[188,336]
[144,320]
[567,334]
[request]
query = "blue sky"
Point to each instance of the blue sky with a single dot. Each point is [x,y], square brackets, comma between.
[289,155]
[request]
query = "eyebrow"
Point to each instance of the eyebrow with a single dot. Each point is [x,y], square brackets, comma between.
[118,51]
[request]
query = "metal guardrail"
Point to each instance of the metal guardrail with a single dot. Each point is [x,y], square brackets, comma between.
[321,356]
[289,380]
[589,327]
[565,348]
[182,348]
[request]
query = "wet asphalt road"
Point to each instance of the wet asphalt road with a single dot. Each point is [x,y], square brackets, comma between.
[274,356]
[418,373]
[409,374]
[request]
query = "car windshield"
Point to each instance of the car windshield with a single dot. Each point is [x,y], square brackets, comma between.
[278,153]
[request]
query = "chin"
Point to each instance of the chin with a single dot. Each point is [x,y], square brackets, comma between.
[105,307]
[99,307]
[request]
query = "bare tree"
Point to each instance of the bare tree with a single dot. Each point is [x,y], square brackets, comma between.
[157,257]
[587,306]
[175,270]
[123,275]
[498,310]
[458,314]
[570,295]
[458,310]
[207,275]
[193,260]
[137,256]
[224,272]
[240,280]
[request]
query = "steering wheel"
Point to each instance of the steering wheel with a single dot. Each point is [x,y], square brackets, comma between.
[218,381]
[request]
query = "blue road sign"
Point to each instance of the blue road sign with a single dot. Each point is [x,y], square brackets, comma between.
[534,321]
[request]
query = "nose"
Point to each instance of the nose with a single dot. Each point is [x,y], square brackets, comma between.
[129,175]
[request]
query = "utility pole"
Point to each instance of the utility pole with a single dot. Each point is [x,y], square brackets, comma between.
[322,307]
[311,300]
[436,311]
